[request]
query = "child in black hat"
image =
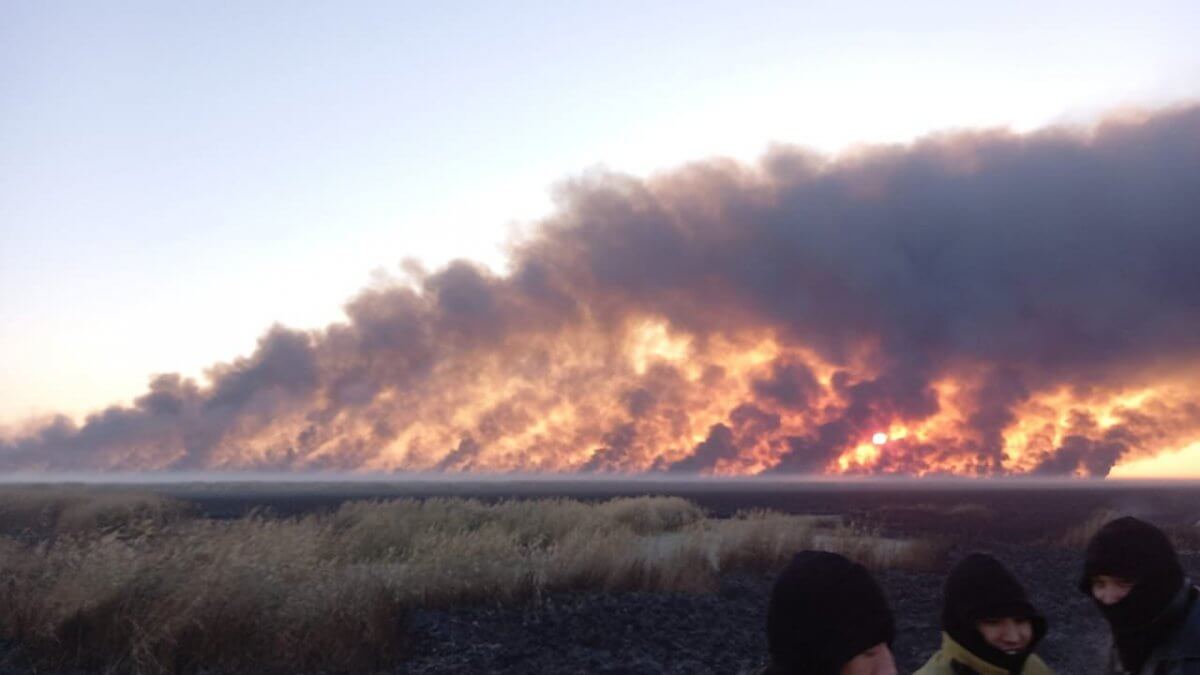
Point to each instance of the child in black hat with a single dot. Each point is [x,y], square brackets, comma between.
[1133,575]
[989,627]
[827,616]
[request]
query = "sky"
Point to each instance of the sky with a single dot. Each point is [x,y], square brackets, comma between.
[175,178]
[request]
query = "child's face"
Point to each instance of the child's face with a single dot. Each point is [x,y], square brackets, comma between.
[1009,634]
[1109,590]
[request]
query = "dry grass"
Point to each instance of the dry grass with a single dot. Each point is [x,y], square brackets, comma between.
[149,590]
[1079,535]
[1184,535]
[41,511]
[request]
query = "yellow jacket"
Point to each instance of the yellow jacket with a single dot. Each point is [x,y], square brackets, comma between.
[941,663]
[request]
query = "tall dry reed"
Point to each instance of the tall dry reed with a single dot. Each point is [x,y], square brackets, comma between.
[158,593]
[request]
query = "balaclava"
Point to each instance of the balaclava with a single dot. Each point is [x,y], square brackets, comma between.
[978,588]
[824,610]
[1137,551]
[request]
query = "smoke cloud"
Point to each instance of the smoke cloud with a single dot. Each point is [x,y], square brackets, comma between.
[997,303]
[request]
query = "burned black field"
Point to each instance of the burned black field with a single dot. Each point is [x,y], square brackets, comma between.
[1032,529]
[658,623]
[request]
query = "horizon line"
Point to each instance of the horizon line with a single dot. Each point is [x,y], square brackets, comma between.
[383,478]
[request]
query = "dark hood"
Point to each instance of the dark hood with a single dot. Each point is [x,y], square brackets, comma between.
[824,610]
[980,587]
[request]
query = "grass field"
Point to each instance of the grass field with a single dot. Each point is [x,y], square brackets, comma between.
[125,581]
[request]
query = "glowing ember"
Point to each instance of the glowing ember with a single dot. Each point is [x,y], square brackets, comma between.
[879,438]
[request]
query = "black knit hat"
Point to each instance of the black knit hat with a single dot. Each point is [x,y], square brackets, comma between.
[1133,550]
[979,587]
[1136,551]
[824,610]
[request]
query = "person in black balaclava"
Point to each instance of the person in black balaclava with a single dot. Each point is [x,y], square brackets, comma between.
[989,627]
[1132,573]
[827,616]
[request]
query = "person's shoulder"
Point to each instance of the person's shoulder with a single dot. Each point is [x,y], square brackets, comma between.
[1185,643]
[1034,665]
[938,664]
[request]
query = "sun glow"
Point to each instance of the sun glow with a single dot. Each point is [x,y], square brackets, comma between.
[1182,464]
[859,459]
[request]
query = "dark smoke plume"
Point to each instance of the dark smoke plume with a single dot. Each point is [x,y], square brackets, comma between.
[1018,268]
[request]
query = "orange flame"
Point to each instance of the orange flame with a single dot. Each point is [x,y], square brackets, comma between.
[646,397]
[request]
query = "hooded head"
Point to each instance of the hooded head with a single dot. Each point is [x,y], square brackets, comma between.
[1136,551]
[1140,553]
[824,610]
[980,588]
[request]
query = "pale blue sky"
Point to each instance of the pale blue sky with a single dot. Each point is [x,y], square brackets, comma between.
[174,177]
